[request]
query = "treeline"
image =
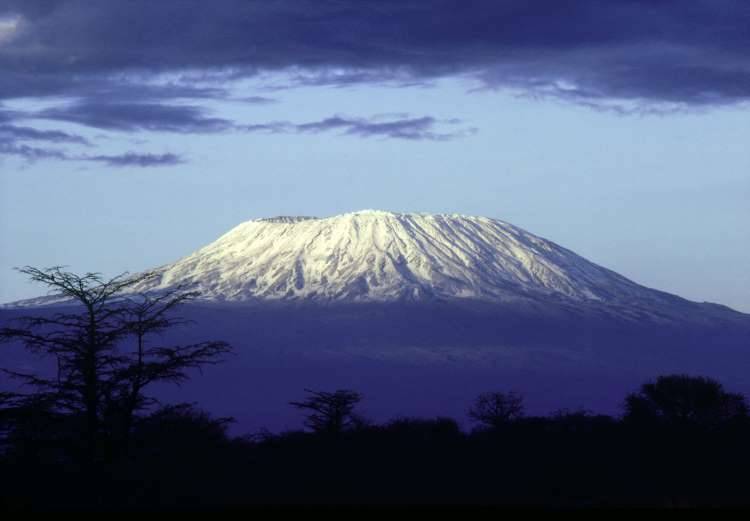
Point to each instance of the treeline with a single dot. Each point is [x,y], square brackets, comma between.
[681,442]
[90,436]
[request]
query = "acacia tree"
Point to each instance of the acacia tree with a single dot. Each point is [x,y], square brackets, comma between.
[144,316]
[98,339]
[331,413]
[495,409]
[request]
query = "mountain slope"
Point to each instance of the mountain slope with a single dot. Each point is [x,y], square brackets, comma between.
[376,256]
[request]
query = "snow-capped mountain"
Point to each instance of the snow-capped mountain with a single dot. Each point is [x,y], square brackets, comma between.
[423,312]
[377,256]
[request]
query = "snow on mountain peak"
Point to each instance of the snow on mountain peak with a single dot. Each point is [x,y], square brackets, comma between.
[376,256]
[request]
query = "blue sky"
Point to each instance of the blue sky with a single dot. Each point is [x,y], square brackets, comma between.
[118,152]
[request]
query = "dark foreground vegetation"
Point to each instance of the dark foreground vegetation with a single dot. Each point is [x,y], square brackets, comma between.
[181,458]
[91,437]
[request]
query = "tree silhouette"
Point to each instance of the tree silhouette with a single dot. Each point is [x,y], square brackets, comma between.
[331,413]
[495,409]
[99,344]
[683,399]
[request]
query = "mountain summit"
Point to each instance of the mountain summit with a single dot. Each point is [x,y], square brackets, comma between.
[378,256]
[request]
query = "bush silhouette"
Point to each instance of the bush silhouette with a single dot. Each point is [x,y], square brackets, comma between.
[684,399]
[495,409]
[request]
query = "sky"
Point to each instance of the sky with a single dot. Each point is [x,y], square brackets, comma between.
[132,133]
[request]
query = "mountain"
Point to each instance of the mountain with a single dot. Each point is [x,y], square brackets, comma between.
[377,256]
[421,313]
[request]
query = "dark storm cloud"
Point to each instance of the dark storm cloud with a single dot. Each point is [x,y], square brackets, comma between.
[144,65]
[690,52]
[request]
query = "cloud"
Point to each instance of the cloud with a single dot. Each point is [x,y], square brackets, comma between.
[31,153]
[422,128]
[593,51]
[136,117]
[139,117]
[152,66]
[403,127]
[15,133]
[9,26]
[256,100]
[13,142]
[138,160]
[130,117]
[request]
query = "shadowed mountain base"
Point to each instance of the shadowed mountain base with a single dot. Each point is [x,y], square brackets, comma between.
[433,359]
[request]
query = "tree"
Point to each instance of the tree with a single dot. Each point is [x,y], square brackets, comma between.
[495,409]
[683,399]
[332,413]
[144,316]
[98,339]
